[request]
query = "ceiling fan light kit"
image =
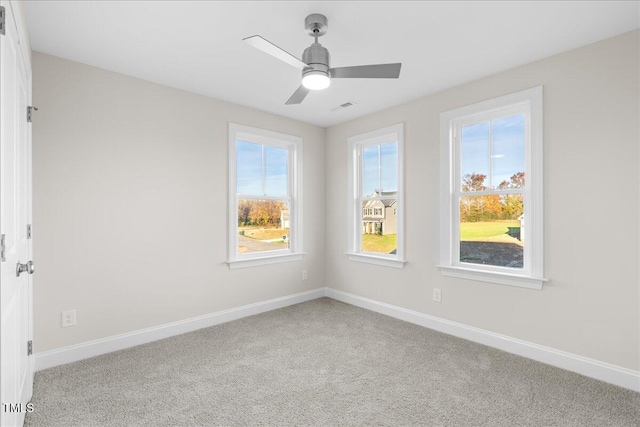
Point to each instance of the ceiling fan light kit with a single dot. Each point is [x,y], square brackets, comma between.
[315,64]
[316,80]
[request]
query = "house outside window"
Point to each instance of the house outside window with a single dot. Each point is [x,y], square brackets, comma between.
[492,183]
[376,233]
[264,200]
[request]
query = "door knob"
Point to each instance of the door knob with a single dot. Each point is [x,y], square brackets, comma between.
[28,267]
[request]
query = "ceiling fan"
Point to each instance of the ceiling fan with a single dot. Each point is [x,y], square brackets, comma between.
[316,72]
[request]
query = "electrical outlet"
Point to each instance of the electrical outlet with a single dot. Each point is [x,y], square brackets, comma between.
[305,276]
[437,295]
[68,318]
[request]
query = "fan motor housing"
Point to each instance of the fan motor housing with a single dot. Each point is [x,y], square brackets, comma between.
[317,57]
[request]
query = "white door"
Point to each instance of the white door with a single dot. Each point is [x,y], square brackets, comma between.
[15,216]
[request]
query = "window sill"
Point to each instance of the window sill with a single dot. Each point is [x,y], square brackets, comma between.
[377,260]
[265,260]
[493,277]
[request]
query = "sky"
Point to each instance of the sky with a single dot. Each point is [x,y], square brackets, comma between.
[380,168]
[505,156]
[250,160]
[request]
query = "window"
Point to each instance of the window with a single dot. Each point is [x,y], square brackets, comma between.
[375,183]
[264,204]
[492,191]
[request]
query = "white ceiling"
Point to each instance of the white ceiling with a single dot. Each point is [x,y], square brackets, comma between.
[197,46]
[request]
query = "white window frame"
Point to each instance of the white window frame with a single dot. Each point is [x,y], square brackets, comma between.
[356,144]
[531,275]
[294,146]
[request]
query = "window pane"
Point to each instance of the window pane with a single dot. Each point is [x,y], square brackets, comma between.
[249,168]
[389,167]
[474,157]
[507,152]
[276,161]
[379,226]
[263,225]
[370,170]
[492,230]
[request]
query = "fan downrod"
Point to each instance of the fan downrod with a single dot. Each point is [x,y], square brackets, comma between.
[315,25]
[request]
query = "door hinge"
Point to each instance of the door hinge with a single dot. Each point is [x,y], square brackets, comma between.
[3,21]
[2,248]
[29,348]
[28,231]
[30,110]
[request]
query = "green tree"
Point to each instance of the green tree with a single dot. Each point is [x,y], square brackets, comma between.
[266,212]
[513,204]
[487,207]
[244,211]
[472,207]
[493,206]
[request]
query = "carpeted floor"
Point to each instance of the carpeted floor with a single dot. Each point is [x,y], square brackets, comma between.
[322,363]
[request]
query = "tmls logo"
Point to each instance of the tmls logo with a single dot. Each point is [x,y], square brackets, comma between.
[17,407]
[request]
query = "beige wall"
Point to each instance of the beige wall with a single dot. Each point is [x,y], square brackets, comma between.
[130,195]
[130,205]
[590,307]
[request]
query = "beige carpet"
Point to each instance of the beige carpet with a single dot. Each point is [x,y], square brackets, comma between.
[322,363]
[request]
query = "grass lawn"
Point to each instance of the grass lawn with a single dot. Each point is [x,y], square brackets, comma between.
[489,231]
[380,244]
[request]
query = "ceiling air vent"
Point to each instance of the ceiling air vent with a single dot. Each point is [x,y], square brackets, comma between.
[342,106]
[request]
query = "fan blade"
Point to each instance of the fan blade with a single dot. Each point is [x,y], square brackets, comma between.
[378,71]
[273,50]
[298,96]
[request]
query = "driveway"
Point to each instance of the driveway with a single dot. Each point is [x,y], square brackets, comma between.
[491,253]
[251,245]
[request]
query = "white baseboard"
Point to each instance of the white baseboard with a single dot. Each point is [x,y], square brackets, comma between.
[602,371]
[606,372]
[73,353]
